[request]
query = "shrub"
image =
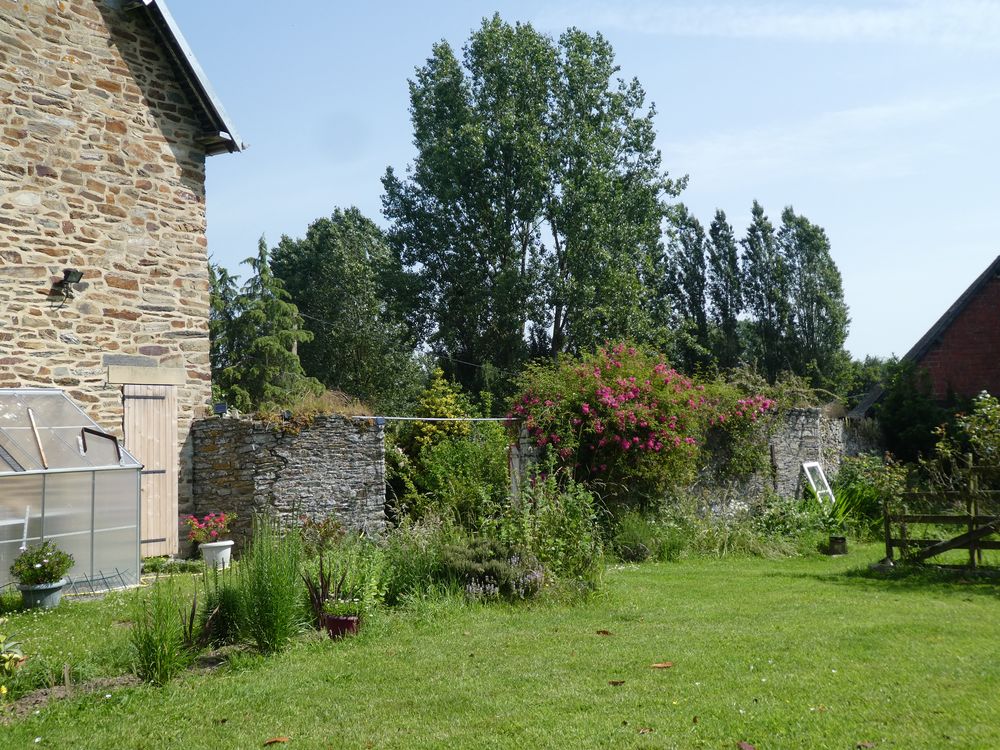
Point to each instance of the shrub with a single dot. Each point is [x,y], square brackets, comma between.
[45,563]
[486,568]
[638,537]
[628,420]
[270,587]
[159,643]
[462,477]
[861,486]
[413,552]
[555,519]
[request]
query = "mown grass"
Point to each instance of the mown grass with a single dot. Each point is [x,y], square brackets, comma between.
[800,653]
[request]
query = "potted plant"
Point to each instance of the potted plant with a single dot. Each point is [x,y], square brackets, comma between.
[207,533]
[339,617]
[41,574]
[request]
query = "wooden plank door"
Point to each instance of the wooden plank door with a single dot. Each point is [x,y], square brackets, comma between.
[151,436]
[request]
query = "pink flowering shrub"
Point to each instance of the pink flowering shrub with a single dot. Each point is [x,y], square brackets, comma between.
[210,528]
[627,419]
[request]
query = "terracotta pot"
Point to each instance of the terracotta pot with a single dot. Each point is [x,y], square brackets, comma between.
[337,626]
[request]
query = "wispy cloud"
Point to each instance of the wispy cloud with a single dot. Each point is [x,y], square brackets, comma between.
[862,143]
[953,23]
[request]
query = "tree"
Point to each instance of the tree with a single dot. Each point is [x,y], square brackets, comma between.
[222,311]
[725,292]
[765,291]
[262,368]
[818,313]
[688,268]
[341,277]
[529,221]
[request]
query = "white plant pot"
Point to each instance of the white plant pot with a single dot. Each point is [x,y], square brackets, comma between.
[216,554]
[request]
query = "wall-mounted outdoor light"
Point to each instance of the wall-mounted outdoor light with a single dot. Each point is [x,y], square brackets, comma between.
[63,289]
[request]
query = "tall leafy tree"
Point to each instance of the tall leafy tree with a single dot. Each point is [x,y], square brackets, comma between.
[688,269]
[341,276]
[223,291]
[766,294]
[818,313]
[262,368]
[725,290]
[529,220]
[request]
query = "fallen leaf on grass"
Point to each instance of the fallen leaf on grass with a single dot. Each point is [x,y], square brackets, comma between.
[275,741]
[662,665]
[616,683]
[745,746]
[604,632]
[645,730]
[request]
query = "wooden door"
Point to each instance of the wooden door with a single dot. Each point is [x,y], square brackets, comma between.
[151,436]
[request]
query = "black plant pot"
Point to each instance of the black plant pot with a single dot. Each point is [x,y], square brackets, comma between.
[837,545]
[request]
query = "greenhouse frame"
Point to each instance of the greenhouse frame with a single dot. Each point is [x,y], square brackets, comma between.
[64,479]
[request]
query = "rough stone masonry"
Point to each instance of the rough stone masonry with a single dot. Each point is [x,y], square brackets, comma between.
[333,467]
[101,170]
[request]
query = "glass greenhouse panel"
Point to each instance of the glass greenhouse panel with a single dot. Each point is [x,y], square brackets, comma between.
[73,482]
[68,516]
[20,498]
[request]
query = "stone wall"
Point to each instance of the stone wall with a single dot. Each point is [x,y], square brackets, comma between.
[334,467]
[100,170]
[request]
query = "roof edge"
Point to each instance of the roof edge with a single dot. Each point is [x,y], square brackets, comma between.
[223,137]
[918,350]
[928,339]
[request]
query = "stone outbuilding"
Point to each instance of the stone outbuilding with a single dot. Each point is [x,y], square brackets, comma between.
[105,122]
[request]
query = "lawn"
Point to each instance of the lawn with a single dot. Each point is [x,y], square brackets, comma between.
[799,653]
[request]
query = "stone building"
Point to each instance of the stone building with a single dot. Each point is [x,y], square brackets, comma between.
[105,122]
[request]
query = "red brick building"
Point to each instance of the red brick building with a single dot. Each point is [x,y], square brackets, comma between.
[961,351]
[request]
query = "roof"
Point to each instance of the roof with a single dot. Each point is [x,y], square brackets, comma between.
[929,339]
[41,430]
[222,137]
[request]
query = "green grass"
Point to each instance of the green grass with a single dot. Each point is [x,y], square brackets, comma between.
[801,653]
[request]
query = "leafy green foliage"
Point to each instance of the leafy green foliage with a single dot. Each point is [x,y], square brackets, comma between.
[908,413]
[638,537]
[629,421]
[862,485]
[725,290]
[222,614]
[271,587]
[818,315]
[342,277]
[534,203]
[159,648]
[255,334]
[486,569]
[44,563]
[555,520]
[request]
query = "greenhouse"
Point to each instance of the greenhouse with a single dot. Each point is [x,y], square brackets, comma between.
[64,479]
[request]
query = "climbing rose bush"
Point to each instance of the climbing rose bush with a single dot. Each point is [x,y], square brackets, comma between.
[626,418]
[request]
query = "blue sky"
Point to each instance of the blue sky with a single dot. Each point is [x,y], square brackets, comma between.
[877,120]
